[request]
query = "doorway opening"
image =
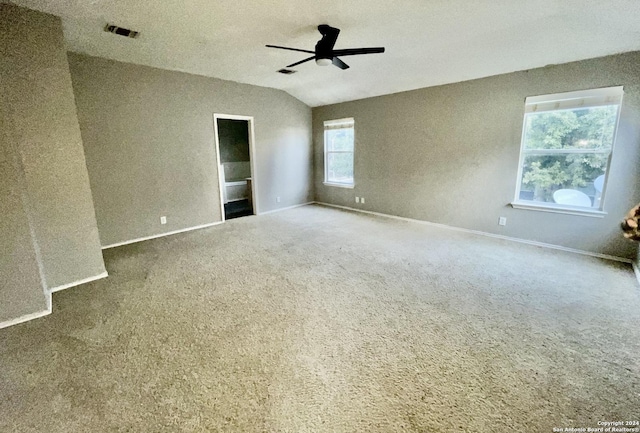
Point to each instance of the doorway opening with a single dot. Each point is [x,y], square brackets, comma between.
[234,141]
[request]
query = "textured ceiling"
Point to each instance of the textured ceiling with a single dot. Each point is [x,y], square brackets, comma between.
[428,42]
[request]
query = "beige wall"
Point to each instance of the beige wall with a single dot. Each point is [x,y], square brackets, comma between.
[21,286]
[148,137]
[449,154]
[43,161]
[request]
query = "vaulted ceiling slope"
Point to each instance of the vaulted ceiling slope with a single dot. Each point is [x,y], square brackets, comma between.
[428,42]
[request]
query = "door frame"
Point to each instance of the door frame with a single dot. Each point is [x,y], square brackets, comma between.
[254,175]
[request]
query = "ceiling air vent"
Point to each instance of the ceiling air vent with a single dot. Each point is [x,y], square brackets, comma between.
[121,31]
[287,71]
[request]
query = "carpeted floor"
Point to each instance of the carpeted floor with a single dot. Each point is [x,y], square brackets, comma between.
[319,320]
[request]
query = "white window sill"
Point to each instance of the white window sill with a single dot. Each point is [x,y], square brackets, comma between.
[340,185]
[549,207]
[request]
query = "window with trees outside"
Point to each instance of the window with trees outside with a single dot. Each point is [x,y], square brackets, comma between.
[338,152]
[567,142]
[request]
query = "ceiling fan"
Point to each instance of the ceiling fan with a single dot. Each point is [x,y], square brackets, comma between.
[324,53]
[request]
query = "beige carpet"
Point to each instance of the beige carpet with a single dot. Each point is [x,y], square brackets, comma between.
[319,320]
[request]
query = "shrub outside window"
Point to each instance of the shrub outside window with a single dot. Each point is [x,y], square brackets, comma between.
[567,142]
[338,152]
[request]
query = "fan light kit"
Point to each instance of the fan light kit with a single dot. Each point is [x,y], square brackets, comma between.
[324,54]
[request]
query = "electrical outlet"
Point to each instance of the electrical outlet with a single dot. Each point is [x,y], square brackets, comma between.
[502,221]
[277,199]
[357,199]
[163,220]
[362,200]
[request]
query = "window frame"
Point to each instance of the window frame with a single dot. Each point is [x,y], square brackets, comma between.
[346,120]
[560,102]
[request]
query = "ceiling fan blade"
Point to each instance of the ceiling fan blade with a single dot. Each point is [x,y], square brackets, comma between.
[329,37]
[301,61]
[356,51]
[339,63]
[292,49]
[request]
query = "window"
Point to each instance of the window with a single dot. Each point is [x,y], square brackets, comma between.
[338,152]
[567,140]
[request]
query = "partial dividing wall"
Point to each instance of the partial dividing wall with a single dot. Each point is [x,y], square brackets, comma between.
[149,141]
[22,289]
[45,186]
[449,154]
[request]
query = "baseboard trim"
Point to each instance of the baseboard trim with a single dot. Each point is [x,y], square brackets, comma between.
[491,235]
[48,293]
[77,283]
[161,235]
[286,208]
[26,317]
